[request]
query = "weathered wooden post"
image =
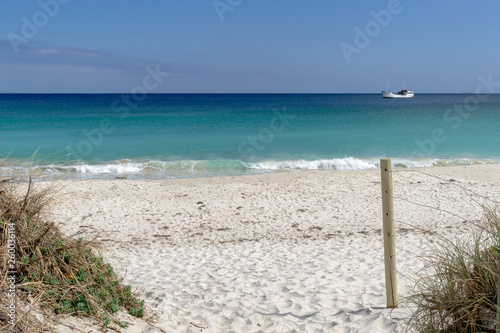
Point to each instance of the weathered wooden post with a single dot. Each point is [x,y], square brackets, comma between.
[391,279]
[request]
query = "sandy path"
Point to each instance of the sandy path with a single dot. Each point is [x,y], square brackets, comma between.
[284,252]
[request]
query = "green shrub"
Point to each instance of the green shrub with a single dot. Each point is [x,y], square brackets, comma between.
[64,274]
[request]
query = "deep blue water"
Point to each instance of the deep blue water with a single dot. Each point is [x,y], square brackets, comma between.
[184,135]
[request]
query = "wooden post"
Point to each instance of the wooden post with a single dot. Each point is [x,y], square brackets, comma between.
[391,279]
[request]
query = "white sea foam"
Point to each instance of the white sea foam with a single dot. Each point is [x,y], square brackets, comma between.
[209,168]
[348,163]
[110,168]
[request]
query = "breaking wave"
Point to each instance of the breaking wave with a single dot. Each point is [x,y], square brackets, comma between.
[208,168]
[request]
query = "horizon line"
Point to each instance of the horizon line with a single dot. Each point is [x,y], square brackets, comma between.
[235,93]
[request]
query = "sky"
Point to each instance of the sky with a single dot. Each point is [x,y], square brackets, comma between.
[247,46]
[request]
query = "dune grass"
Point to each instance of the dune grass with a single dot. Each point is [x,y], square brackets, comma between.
[45,272]
[457,292]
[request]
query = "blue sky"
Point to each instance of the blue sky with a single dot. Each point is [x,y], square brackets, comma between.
[283,46]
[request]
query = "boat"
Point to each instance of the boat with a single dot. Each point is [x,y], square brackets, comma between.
[404,93]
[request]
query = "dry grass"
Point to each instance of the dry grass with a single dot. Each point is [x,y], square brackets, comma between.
[458,290]
[50,272]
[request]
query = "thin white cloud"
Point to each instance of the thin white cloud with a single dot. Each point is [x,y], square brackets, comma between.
[42,67]
[49,51]
[39,55]
[71,51]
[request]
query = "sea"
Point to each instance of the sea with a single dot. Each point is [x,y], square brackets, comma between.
[158,136]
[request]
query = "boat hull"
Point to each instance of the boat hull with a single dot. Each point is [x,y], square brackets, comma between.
[388,94]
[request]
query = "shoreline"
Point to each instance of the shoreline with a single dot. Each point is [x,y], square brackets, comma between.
[181,169]
[271,252]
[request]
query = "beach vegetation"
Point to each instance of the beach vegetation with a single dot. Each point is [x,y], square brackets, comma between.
[457,290]
[46,272]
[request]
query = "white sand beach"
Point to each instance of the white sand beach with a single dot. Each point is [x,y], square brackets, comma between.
[281,252]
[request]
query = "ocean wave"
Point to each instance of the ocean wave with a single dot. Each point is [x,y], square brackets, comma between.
[196,166]
[115,167]
[110,168]
[348,163]
[206,168]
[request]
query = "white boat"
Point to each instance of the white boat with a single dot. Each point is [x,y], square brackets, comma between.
[404,93]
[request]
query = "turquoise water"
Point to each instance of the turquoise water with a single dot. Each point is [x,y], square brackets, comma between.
[190,135]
